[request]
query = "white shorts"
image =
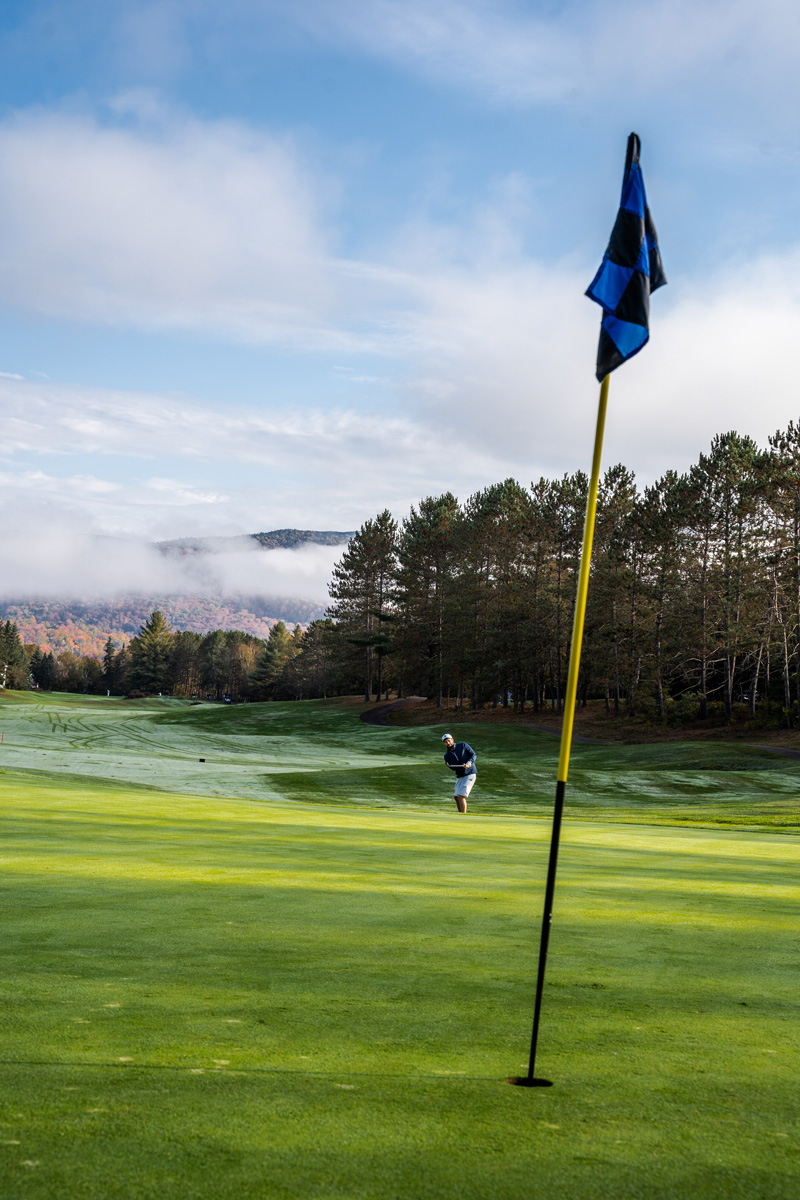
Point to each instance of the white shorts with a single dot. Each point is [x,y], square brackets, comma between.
[464,785]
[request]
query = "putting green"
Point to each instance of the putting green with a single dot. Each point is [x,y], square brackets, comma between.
[210,997]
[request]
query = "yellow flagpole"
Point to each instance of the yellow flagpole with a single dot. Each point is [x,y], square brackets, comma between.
[583,589]
[566,729]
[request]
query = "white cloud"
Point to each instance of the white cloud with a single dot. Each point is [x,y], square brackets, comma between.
[518,58]
[54,553]
[499,363]
[723,357]
[500,382]
[278,469]
[174,224]
[512,55]
[165,223]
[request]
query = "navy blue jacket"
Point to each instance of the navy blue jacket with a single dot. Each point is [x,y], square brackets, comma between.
[460,754]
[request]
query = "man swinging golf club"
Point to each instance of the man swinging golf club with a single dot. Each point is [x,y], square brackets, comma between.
[460,757]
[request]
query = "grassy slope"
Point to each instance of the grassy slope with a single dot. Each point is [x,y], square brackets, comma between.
[212,998]
[318,752]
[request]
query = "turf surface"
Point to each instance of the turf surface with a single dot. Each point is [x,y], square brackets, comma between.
[262,997]
[319,752]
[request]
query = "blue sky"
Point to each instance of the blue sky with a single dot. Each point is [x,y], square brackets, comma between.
[271,263]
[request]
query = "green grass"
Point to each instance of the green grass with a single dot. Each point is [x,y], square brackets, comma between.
[319,752]
[211,997]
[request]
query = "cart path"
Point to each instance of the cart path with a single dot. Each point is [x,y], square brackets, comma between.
[377,716]
[576,737]
[777,750]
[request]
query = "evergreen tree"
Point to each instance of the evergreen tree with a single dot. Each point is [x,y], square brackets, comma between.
[37,658]
[269,665]
[109,655]
[722,563]
[315,663]
[186,667]
[783,555]
[14,670]
[362,591]
[611,635]
[149,656]
[47,677]
[425,589]
[120,671]
[661,522]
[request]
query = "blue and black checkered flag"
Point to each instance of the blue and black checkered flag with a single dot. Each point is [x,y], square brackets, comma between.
[631,269]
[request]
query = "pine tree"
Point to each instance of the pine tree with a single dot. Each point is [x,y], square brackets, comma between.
[661,521]
[149,656]
[271,662]
[186,667]
[37,658]
[783,505]
[723,556]
[109,655]
[13,659]
[425,588]
[611,642]
[362,591]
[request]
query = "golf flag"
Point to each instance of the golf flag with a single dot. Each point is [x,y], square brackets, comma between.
[631,269]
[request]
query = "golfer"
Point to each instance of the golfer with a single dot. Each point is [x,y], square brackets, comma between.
[460,757]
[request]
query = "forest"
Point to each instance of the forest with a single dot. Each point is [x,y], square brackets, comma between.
[221,665]
[694,604]
[694,601]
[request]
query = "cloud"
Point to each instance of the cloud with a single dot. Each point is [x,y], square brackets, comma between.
[515,58]
[575,51]
[230,468]
[171,224]
[514,369]
[486,353]
[500,382]
[510,52]
[46,553]
[497,362]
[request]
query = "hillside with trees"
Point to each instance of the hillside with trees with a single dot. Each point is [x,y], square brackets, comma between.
[83,626]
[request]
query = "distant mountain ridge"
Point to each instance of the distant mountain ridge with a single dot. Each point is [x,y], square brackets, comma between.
[83,624]
[276,539]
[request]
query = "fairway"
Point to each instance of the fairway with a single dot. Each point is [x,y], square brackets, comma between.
[321,753]
[294,971]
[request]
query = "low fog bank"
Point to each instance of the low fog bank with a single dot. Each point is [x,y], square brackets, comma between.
[56,560]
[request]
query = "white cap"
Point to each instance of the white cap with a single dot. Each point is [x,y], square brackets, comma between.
[445,737]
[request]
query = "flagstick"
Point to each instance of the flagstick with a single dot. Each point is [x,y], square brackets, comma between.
[566,727]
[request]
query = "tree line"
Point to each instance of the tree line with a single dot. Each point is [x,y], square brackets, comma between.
[694,601]
[221,665]
[694,604]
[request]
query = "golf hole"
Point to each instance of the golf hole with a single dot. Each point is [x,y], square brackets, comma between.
[523,1081]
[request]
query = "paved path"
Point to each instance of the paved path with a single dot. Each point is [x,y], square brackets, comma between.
[377,715]
[576,737]
[776,750]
